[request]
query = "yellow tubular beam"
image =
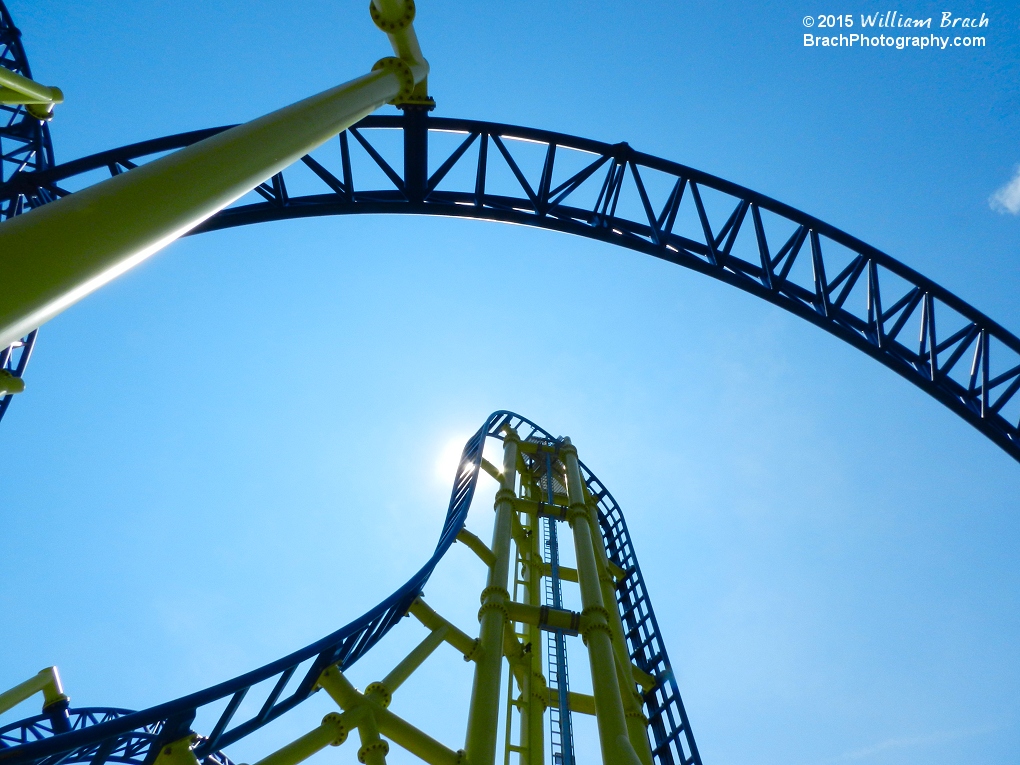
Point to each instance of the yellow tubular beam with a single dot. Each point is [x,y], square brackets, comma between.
[395,18]
[15,89]
[544,616]
[46,681]
[419,744]
[388,724]
[477,546]
[178,752]
[10,384]
[433,621]
[581,703]
[373,749]
[55,255]
[413,660]
[612,725]
[483,712]
[566,574]
[492,470]
[339,688]
[637,723]
[332,732]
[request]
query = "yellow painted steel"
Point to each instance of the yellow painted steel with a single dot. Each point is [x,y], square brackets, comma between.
[372,705]
[637,723]
[477,546]
[492,470]
[38,100]
[55,255]
[612,724]
[178,752]
[581,703]
[413,660]
[10,384]
[331,732]
[454,636]
[483,712]
[46,682]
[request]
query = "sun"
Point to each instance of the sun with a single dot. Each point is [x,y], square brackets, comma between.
[448,458]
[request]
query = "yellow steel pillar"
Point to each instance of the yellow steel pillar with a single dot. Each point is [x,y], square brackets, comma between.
[373,749]
[483,713]
[637,723]
[613,736]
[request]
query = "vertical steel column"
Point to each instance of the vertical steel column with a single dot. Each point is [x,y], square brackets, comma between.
[373,749]
[416,152]
[637,723]
[483,713]
[615,743]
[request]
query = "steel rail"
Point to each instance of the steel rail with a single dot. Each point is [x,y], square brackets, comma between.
[136,737]
[808,267]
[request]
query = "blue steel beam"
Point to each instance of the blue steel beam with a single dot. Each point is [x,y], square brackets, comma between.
[623,197]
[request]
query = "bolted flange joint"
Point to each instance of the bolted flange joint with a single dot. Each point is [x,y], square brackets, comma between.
[375,746]
[395,23]
[403,72]
[637,714]
[575,511]
[336,721]
[593,619]
[494,599]
[504,495]
[380,694]
[476,651]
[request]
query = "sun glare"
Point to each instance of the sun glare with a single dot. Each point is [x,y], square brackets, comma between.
[448,459]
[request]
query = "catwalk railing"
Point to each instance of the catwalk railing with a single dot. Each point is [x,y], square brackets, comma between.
[609,192]
[98,736]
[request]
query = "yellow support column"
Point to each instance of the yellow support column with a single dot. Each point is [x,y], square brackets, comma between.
[613,735]
[483,713]
[637,723]
[373,749]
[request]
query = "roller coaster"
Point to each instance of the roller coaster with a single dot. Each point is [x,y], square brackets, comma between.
[466,169]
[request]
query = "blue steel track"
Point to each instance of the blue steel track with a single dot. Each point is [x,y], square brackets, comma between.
[95,737]
[614,194]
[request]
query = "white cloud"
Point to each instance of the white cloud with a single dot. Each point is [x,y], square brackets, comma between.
[1007,199]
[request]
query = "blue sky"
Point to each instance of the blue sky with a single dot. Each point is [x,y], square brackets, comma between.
[234,449]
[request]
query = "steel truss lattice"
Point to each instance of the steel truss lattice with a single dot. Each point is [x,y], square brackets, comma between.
[614,194]
[24,147]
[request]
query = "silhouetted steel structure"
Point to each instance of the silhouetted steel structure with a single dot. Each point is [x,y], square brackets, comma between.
[25,147]
[614,194]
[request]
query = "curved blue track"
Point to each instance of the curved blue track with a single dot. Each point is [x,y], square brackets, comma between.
[136,737]
[614,194]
